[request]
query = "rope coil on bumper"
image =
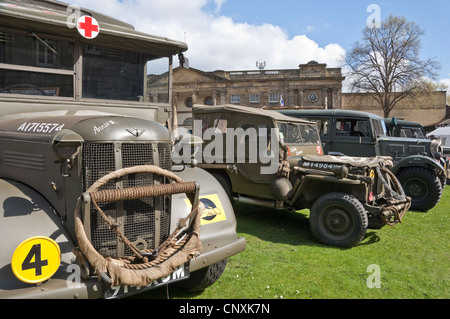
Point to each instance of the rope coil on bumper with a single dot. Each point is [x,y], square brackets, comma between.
[144,266]
[393,212]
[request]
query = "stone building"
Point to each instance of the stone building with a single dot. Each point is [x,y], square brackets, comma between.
[312,85]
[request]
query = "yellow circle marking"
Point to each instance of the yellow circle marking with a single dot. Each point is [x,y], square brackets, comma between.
[36,259]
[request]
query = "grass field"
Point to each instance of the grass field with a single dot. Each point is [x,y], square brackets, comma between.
[283,260]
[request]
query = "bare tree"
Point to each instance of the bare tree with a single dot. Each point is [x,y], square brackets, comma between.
[386,63]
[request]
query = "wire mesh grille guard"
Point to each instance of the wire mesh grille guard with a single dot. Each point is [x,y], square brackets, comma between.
[145,222]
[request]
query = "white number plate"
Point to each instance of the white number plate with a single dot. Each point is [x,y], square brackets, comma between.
[111,292]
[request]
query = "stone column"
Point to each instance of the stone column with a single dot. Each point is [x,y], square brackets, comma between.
[194,97]
[300,98]
[223,98]
[214,97]
[290,101]
[334,101]
[325,98]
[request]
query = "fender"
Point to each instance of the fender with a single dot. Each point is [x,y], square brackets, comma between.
[417,160]
[24,213]
[218,230]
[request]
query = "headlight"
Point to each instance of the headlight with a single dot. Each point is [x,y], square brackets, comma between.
[435,146]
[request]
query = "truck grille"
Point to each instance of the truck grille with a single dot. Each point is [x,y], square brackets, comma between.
[145,222]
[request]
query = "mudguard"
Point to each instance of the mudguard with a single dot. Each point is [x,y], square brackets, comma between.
[24,214]
[218,230]
[417,160]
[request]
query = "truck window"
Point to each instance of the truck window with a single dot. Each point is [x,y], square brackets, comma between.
[116,74]
[379,127]
[33,65]
[352,127]
[411,132]
[323,126]
[216,122]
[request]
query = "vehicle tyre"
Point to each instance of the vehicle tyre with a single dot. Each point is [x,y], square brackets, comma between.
[422,185]
[338,219]
[203,278]
[226,184]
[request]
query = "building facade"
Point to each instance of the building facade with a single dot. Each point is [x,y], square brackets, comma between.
[312,85]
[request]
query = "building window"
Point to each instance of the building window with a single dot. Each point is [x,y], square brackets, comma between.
[188,102]
[208,101]
[235,98]
[254,98]
[274,98]
[188,121]
[313,98]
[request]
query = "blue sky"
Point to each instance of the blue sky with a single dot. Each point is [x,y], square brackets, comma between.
[234,34]
[342,21]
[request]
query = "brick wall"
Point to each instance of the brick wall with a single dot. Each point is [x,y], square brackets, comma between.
[427,110]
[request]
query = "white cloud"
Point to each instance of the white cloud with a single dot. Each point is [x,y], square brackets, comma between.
[215,41]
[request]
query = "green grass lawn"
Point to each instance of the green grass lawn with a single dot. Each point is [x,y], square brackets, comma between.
[283,260]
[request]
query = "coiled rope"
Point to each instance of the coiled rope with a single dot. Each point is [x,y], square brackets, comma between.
[395,216]
[141,269]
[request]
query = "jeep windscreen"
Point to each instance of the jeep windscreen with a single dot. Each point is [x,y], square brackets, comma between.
[34,64]
[291,133]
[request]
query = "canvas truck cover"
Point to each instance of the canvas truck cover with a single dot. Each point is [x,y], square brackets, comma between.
[202,109]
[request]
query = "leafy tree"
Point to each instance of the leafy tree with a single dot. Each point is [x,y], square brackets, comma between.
[386,63]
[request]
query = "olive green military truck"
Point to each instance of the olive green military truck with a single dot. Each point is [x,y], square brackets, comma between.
[262,157]
[91,203]
[402,128]
[418,162]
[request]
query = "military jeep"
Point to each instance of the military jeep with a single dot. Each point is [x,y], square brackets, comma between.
[91,203]
[264,158]
[418,162]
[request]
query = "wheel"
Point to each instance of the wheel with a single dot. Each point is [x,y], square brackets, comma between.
[226,184]
[203,278]
[422,185]
[338,219]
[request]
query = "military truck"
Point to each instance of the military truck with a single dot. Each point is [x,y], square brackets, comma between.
[92,205]
[418,162]
[402,128]
[264,158]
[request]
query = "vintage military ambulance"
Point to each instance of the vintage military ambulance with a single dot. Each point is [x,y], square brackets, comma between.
[91,205]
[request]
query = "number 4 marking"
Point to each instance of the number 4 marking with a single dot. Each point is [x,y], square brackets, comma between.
[34,261]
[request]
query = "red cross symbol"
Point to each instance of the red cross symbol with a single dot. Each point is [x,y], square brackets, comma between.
[88,27]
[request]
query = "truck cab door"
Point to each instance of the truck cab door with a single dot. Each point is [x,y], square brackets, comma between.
[353,137]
